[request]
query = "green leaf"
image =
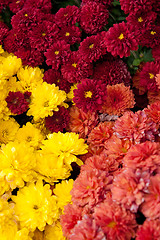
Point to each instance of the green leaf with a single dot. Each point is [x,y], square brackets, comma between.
[148,56]
[136,62]
[115,3]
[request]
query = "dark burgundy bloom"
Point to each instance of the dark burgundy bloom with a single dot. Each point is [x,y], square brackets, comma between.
[54,76]
[150,37]
[105,2]
[120,39]
[59,121]
[71,34]
[93,17]
[16,6]
[67,16]
[112,72]
[3,31]
[148,74]
[129,6]
[90,95]
[43,5]
[156,52]
[76,69]
[57,54]
[17,102]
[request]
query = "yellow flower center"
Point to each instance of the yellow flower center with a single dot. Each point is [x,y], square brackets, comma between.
[46,104]
[58,80]
[67,34]
[26,15]
[17,2]
[121,36]
[88,187]
[29,138]
[88,94]
[151,75]
[112,224]
[140,19]
[56,52]
[124,150]
[66,14]
[91,46]
[43,34]
[74,65]
[152,32]
[4,133]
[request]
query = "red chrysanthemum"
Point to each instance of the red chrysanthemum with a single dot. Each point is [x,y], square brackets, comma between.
[90,188]
[57,54]
[121,39]
[156,52]
[105,2]
[76,69]
[112,72]
[153,111]
[93,17]
[81,122]
[151,206]
[150,37]
[67,16]
[90,95]
[136,127]
[17,102]
[149,230]
[15,6]
[3,31]
[43,5]
[71,34]
[148,75]
[58,121]
[116,222]
[119,99]
[129,6]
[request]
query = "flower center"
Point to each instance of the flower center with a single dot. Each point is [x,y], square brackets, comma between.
[88,94]
[43,34]
[152,32]
[26,15]
[58,80]
[121,36]
[91,46]
[124,150]
[17,2]
[67,34]
[151,75]
[140,19]
[4,133]
[35,207]
[56,52]
[74,65]
[28,139]
[46,104]
[111,224]
[66,14]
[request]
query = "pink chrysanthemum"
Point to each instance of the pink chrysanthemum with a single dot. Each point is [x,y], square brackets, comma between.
[57,54]
[15,6]
[17,102]
[121,39]
[93,17]
[119,99]
[149,230]
[105,2]
[116,222]
[112,72]
[71,34]
[134,5]
[151,206]
[144,156]
[81,122]
[136,127]
[87,229]
[90,95]
[157,78]
[148,75]
[58,121]
[76,69]
[90,188]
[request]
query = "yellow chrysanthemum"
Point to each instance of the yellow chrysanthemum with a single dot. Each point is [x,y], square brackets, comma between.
[45,99]
[4,110]
[11,65]
[54,232]
[40,124]
[8,130]
[70,95]
[22,234]
[29,77]
[13,85]
[1,49]
[66,146]
[17,164]
[62,192]
[37,235]
[29,134]
[35,206]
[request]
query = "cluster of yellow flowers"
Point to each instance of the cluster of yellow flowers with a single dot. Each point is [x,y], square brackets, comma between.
[34,164]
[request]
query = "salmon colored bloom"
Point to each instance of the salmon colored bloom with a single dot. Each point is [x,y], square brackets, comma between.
[149,230]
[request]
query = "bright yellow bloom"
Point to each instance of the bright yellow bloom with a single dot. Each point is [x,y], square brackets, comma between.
[70,95]
[8,130]
[35,206]
[4,110]
[1,49]
[29,77]
[17,164]
[11,65]
[45,99]
[22,234]
[37,235]
[30,134]
[13,85]
[62,192]
[54,232]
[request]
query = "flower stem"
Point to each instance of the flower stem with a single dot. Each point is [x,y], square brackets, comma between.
[110,14]
[134,54]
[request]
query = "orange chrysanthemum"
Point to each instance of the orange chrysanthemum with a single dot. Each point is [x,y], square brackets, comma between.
[119,99]
[153,96]
[158,80]
[153,111]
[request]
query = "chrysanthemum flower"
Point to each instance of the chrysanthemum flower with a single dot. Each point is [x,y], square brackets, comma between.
[90,95]
[81,122]
[8,130]
[120,39]
[15,6]
[17,164]
[153,96]
[14,64]
[90,188]
[136,127]
[150,36]
[153,111]
[149,230]
[44,5]
[144,156]
[3,31]
[133,6]
[156,52]
[44,100]
[40,206]
[58,121]
[57,54]
[70,34]
[116,222]
[119,99]
[93,17]
[157,78]
[105,2]
[151,206]
[54,231]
